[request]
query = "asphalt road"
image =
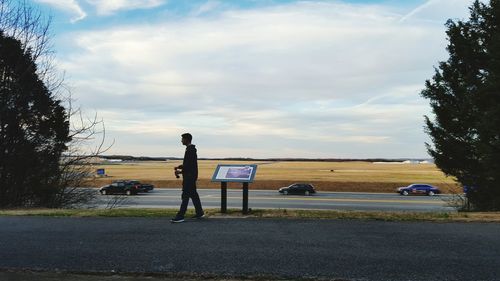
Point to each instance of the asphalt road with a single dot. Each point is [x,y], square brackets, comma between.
[210,198]
[347,250]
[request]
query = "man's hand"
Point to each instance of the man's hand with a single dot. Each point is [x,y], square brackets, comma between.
[178,171]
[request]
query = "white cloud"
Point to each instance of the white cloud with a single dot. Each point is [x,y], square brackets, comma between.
[70,6]
[299,80]
[433,10]
[106,7]
[206,7]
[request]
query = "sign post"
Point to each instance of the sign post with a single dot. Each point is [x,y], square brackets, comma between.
[223,197]
[245,198]
[234,173]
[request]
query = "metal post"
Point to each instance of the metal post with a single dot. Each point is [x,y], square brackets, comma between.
[245,198]
[223,197]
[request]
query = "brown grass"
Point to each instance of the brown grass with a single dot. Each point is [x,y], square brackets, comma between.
[325,176]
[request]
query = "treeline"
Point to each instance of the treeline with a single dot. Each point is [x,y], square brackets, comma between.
[136,158]
[146,158]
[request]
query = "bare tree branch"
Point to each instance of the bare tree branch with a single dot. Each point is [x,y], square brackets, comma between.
[21,20]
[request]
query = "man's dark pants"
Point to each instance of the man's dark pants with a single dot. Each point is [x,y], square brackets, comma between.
[189,191]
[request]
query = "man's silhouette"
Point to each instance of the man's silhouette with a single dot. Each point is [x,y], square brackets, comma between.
[189,171]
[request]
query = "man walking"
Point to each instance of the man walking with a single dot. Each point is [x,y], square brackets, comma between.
[189,172]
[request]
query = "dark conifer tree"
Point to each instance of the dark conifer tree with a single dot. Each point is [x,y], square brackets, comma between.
[34,131]
[465,98]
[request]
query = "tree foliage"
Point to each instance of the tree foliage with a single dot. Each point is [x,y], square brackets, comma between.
[464,96]
[44,151]
[34,130]
[20,20]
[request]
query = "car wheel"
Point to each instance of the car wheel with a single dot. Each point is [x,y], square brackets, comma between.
[307,193]
[431,193]
[103,192]
[404,192]
[129,192]
[285,192]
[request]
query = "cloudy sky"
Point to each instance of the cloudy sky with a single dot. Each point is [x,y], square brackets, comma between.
[255,78]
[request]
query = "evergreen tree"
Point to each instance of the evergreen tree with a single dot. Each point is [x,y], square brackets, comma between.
[34,131]
[464,95]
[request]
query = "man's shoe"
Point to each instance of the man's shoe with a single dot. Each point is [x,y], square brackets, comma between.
[177,219]
[199,216]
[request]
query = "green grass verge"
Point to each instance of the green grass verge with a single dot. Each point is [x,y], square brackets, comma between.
[143,213]
[262,213]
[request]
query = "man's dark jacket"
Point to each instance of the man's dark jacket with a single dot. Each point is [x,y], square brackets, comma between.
[190,167]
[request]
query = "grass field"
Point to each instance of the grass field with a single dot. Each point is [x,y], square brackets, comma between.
[325,176]
[263,213]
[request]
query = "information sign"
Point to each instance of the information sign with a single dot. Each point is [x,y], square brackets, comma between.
[234,173]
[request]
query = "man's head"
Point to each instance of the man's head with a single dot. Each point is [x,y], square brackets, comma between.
[186,138]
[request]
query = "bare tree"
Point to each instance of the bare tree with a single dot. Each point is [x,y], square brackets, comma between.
[26,23]
[76,163]
[116,201]
[457,199]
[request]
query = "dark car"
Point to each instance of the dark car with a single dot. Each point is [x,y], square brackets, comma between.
[142,187]
[298,188]
[120,187]
[426,189]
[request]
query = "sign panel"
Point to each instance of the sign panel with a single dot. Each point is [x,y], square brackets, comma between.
[234,173]
[101,172]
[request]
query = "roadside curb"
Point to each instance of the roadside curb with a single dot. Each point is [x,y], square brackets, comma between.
[61,275]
